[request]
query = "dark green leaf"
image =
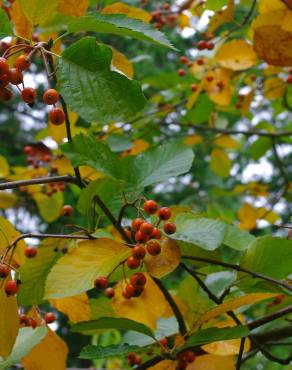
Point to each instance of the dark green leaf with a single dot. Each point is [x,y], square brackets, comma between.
[113,323]
[91,89]
[98,352]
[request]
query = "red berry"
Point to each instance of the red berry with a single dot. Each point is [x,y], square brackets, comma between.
[131,358]
[5,94]
[4,81]
[210,45]
[289,80]
[4,66]
[164,213]
[23,319]
[4,271]
[28,95]
[153,247]
[15,76]
[101,282]
[156,233]
[32,322]
[47,158]
[183,60]
[200,61]
[190,64]
[51,96]
[164,342]
[138,252]
[188,356]
[141,238]
[109,292]
[136,223]
[30,252]
[56,116]
[132,262]
[146,228]
[238,105]
[150,206]
[22,62]
[182,365]
[194,87]
[128,291]
[210,78]
[50,317]
[67,210]
[11,287]
[169,228]
[28,150]
[181,72]
[138,279]
[202,45]
[138,360]
[220,84]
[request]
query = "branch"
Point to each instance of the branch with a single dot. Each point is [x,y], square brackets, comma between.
[40,180]
[274,334]
[287,3]
[241,350]
[273,316]
[153,361]
[240,269]
[280,163]
[173,305]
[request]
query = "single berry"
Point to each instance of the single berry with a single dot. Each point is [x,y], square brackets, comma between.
[28,95]
[156,234]
[47,158]
[54,168]
[210,78]
[238,105]
[136,223]
[4,81]
[141,238]
[169,228]
[4,271]
[190,64]
[30,252]
[23,319]
[181,72]
[146,228]
[289,80]
[11,287]
[138,360]
[138,279]
[56,116]
[28,150]
[51,96]
[22,63]
[128,291]
[150,206]
[15,76]
[202,45]
[182,365]
[4,66]
[138,291]
[131,358]
[32,322]
[163,342]
[200,61]
[67,210]
[164,213]
[194,87]
[138,252]
[101,282]
[210,45]
[109,292]
[220,84]
[153,247]
[50,317]
[133,263]
[183,60]
[188,356]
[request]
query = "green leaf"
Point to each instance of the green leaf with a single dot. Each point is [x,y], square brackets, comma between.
[34,273]
[99,352]
[259,147]
[201,111]
[270,256]
[203,232]
[211,335]
[91,89]
[113,323]
[117,24]
[237,239]
[26,340]
[118,143]
[215,4]
[5,26]
[220,163]
[101,307]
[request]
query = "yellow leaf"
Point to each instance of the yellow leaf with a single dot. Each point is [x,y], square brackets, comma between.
[224,16]
[130,11]
[220,163]
[226,141]
[273,37]
[183,21]
[73,7]
[247,216]
[7,200]
[221,94]
[64,166]
[246,102]
[7,235]
[9,321]
[212,362]
[274,88]
[164,365]
[166,261]
[233,304]
[89,173]
[4,167]
[236,55]
[193,139]
[256,189]
[266,6]
[57,133]
[49,207]
[38,11]
[77,307]
[139,146]
[51,353]
[23,26]
[138,309]
[181,306]
[75,272]
[122,63]
[194,96]
[268,215]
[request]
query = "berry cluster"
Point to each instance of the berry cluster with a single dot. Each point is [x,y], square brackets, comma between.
[134,359]
[163,16]
[277,300]
[14,77]
[184,359]
[25,320]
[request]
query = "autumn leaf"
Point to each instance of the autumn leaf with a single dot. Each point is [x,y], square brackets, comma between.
[212,362]
[219,89]
[77,307]
[73,7]
[220,163]
[247,216]
[7,200]
[122,63]
[130,11]
[226,141]
[4,167]
[274,88]
[224,16]
[22,24]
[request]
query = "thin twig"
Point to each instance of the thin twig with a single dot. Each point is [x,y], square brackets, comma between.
[39,180]
[241,350]
[153,361]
